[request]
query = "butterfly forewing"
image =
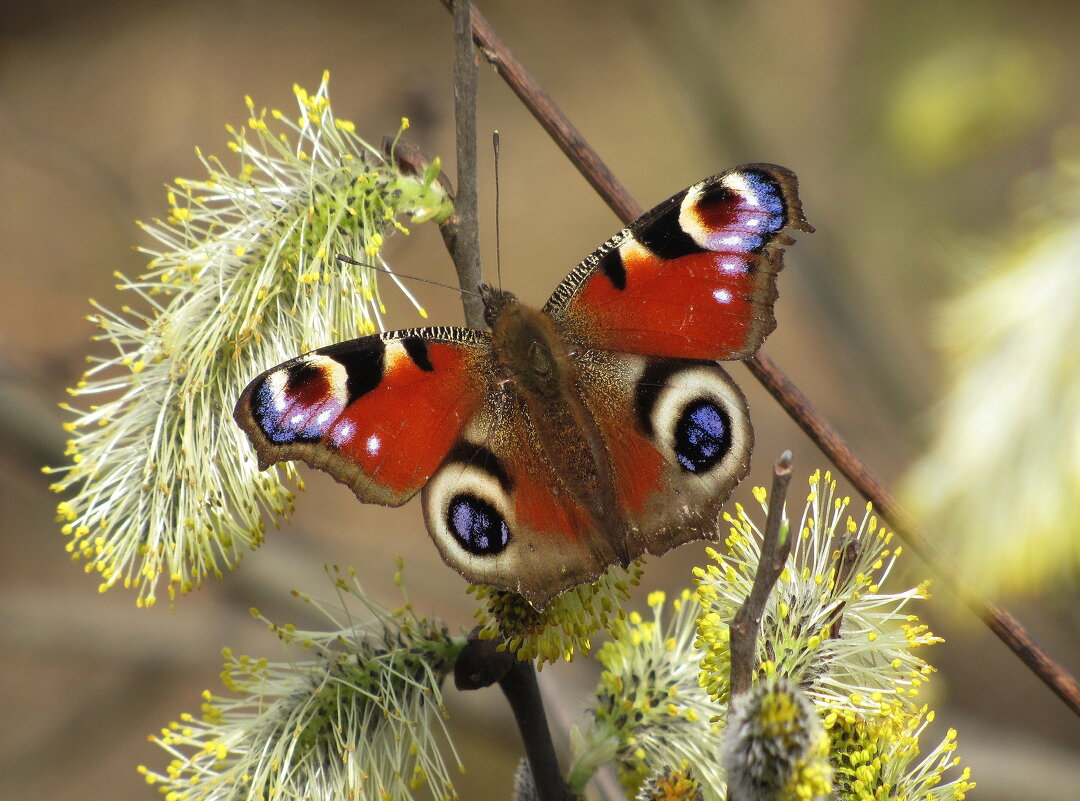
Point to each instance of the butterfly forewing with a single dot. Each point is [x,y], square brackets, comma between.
[693,278]
[378,413]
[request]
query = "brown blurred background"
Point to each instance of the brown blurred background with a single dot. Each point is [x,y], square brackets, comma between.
[910,124]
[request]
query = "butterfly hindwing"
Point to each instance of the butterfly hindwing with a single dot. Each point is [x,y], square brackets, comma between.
[378,413]
[500,515]
[693,278]
[678,438]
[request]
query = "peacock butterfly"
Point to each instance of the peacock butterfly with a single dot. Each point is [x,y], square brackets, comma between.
[573,437]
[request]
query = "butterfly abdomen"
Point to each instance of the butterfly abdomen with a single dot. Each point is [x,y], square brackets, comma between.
[538,370]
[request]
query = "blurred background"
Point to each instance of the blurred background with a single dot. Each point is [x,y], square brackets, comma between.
[931,140]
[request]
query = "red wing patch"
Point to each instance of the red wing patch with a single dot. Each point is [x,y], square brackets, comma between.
[559,520]
[691,307]
[399,433]
[693,278]
[638,467]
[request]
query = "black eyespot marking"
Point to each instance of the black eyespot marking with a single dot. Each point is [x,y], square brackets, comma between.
[297,410]
[477,525]
[363,365]
[648,389]
[702,436]
[664,234]
[300,374]
[611,265]
[276,427]
[418,352]
[483,459]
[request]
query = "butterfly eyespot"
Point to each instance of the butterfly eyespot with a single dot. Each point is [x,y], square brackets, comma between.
[467,508]
[695,414]
[298,404]
[478,526]
[702,435]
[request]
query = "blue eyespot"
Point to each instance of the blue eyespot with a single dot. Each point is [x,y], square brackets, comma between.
[477,525]
[294,413]
[768,196]
[702,436]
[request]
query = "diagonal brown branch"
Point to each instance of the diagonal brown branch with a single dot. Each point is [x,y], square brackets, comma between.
[790,398]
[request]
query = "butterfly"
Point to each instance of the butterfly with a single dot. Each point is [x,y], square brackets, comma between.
[569,438]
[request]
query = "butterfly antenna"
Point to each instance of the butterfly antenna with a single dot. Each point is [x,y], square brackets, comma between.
[348,260]
[498,248]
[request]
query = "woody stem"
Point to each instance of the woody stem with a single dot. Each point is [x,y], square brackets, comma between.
[466,243]
[481,664]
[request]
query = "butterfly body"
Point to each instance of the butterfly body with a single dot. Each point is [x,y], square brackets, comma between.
[538,369]
[572,437]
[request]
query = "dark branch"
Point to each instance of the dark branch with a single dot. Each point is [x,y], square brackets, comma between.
[552,119]
[774,553]
[465,244]
[480,664]
[999,620]
[523,693]
[790,398]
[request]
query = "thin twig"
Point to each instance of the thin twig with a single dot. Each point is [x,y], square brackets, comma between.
[790,398]
[480,664]
[466,242]
[523,693]
[775,548]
